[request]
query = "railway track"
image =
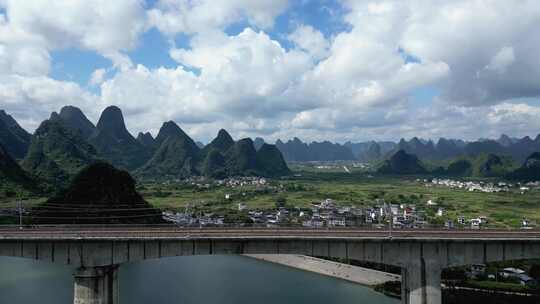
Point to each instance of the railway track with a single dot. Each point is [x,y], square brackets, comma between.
[176,232]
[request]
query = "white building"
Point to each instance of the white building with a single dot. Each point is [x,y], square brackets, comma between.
[440,212]
[431,203]
[475,223]
[336,222]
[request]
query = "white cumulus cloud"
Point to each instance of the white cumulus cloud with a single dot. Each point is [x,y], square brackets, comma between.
[185,16]
[482,56]
[310,40]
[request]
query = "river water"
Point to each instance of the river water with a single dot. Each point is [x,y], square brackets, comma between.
[187,280]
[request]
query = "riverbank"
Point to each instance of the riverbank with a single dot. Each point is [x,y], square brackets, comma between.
[355,274]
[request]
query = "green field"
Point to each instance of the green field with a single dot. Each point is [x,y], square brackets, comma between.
[503,210]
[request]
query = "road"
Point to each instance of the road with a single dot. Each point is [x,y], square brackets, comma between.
[121,232]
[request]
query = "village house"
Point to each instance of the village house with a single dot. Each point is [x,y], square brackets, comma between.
[525,224]
[475,223]
[440,212]
[336,222]
[518,274]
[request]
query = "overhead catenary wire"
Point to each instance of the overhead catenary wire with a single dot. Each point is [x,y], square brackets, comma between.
[97,209]
[78,204]
[85,217]
[93,204]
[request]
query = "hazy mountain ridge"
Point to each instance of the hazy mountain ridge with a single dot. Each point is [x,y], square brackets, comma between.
[446,149]
[68,141]
[296,150]
[482,166]
[116,135]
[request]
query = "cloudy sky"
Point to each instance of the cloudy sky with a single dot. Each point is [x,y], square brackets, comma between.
[317,69]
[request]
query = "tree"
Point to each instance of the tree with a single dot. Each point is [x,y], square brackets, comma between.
[281,201]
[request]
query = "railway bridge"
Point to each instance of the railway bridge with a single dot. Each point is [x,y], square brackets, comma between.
[97,253]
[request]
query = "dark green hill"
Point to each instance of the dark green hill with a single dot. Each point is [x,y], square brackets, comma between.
[57,153]
[213,155]
[146,139]
[460,167]
[241,158]
[402,163]
[14,138]
[214,164]
[177,154]
[113,141]
[258,142]
[223,142]
[74,119]
[529,171]
[99,194]
[491,165]
[13,179]
[270,161]
[224,157]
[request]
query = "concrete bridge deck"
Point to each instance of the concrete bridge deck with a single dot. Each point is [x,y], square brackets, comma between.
[421,254]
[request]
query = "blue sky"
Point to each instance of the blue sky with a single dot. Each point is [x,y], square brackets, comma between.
[317,69]
[152,50]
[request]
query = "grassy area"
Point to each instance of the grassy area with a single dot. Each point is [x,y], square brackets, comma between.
[27,201]
[502,286]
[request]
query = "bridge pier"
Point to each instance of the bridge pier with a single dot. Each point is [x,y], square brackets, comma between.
[96,285]
[421,283]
